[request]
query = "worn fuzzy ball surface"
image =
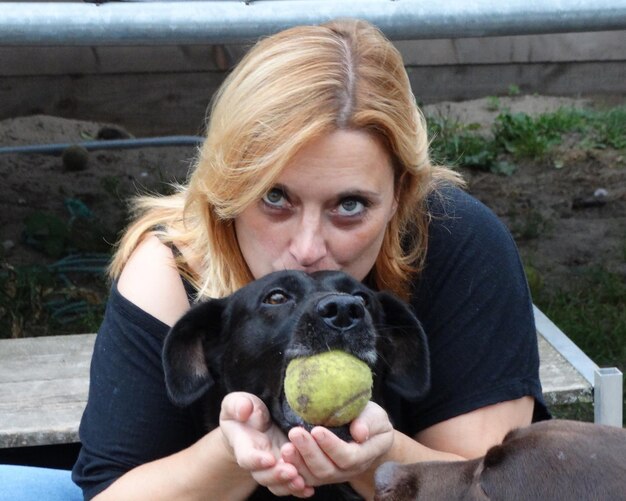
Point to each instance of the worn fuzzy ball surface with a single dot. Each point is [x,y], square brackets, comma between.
[328,389]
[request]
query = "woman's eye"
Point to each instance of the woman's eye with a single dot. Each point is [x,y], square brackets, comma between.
[275,198]
[276,297]
[351,207]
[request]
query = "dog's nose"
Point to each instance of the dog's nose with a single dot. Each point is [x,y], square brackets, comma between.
[341,311]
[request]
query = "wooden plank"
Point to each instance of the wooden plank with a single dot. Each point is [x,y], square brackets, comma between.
[562,384]
[43,388]
[44,384]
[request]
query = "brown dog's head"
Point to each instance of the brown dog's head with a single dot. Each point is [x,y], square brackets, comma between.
[244,342]
[555,460]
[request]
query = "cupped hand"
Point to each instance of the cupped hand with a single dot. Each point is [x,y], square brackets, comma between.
[321,457]
[255,442]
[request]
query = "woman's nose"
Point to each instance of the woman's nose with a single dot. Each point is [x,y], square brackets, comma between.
[308,245]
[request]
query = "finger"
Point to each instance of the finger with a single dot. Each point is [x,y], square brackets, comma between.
[252,453]
[236,407]
[359,430]
[283,480]
[290,454]
[318,464]
[287,490]
[348,456]
[246,408]
[342,454]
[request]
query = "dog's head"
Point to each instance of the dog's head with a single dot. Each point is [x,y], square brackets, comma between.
[244,342]
[557,460]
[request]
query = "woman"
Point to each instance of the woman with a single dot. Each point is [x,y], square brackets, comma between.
[315,158]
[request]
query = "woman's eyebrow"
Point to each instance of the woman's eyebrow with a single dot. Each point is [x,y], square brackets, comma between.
[370,194]
[279,186]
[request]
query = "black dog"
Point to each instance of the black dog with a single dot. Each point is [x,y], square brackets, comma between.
[245,341]
[555,460]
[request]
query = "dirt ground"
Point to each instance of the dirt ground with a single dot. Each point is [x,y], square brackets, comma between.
[566,213]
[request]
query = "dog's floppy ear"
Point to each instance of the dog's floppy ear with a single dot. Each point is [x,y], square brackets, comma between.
[187,371]
[406,349]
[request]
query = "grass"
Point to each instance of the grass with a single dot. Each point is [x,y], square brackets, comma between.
[591,312]
[517,136]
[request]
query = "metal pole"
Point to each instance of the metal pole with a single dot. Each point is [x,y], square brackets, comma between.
[222,21]
[607,398]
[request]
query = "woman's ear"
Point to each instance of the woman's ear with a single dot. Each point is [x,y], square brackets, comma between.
[187,350]
[394,208]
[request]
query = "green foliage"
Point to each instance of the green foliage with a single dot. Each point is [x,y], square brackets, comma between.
[493,103]
[610,128]
[38,300]
[517,136]
[46,232]
[514,90]
[56,237]
[457,144]
[21,291]
[526,137]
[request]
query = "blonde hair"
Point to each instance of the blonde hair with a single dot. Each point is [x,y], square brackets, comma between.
[289,89]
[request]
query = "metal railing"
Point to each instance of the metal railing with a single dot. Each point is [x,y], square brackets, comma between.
[224,21]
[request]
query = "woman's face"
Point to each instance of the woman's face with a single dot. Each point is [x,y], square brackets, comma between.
[327,211]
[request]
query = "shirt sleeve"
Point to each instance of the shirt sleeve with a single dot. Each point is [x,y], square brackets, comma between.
[475,306]
[128,419]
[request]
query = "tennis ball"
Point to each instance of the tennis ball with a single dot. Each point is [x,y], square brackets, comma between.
[329,388]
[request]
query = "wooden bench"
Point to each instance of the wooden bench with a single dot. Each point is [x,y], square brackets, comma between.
[44,383]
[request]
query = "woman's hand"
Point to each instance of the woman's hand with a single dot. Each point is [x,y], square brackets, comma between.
[255,442]
[321,457]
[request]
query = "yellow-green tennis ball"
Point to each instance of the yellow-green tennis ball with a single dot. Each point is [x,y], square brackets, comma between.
[328,389]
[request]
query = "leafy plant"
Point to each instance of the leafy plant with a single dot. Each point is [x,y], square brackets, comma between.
[457,144]
[610,128]
[493,103]
[36,300]
[518,136]
[514,90]
[21,292]
[526,137]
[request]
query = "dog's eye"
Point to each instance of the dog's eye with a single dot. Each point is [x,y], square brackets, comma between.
[362,297]
[276,297]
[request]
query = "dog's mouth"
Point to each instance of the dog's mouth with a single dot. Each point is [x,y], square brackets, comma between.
[288,418]
[292,420]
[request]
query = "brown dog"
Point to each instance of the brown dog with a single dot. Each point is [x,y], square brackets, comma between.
[548,461]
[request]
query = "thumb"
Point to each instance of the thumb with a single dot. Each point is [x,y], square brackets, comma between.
[246,408]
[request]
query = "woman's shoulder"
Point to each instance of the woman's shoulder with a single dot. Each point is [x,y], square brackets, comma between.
[456,214]
[451,202]
[151,281]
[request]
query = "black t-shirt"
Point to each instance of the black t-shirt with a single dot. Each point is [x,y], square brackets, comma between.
[472,299]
